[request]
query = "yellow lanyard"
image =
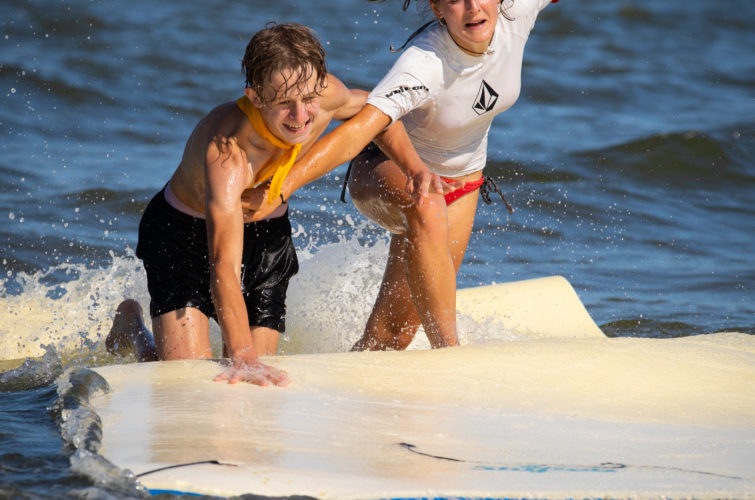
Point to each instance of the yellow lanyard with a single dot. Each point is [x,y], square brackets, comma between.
[278,168]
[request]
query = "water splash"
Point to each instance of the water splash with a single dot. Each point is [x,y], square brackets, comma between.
[59,318]
[67,308]
[31,373]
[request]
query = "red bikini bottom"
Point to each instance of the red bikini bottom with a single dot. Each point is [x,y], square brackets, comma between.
[466,187]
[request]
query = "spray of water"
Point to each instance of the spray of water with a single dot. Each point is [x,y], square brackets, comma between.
[60,317]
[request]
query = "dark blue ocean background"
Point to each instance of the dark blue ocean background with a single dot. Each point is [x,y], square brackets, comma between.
[628,159]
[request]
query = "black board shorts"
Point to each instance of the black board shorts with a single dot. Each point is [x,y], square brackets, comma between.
[173,248]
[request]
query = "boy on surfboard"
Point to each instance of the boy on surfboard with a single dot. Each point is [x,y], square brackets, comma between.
[201,258]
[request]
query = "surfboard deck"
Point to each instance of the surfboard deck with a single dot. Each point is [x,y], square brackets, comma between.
[561,415]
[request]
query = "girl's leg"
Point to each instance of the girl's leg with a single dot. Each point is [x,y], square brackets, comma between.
[394,319]
[461,214]
[430,270]
[419,284]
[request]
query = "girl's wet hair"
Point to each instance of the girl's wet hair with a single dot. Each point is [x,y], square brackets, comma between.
[502,8]
[282,47]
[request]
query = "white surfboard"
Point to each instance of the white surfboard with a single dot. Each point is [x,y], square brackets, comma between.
[569,413]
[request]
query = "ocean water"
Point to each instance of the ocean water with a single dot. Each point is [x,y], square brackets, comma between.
[627,159]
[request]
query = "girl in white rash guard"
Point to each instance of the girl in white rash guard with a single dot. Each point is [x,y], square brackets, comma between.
[447,97]
[445,88]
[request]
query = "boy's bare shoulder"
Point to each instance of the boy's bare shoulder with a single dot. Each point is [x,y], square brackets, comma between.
[334,94]
[220,124]
[223,120]
[339,101]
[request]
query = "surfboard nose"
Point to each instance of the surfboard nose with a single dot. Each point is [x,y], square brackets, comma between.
[540,307]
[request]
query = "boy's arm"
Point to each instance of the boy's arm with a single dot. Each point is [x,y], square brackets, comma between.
[226,175]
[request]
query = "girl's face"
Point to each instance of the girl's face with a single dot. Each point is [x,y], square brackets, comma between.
[471,23]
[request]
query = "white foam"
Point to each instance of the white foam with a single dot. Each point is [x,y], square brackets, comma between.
[71,317]
[329,301]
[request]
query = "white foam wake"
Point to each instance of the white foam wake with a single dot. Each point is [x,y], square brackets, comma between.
[69,309]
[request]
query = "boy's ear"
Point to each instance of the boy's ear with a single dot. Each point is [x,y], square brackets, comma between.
[253,97]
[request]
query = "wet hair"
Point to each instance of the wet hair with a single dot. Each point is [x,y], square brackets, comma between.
[282,47]
[501,7]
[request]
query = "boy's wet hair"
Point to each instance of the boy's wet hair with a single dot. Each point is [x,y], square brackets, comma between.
[281,47]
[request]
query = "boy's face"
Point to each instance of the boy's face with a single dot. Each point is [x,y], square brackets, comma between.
[289,109]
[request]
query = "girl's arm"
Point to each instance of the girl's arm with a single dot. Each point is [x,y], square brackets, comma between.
[333,149]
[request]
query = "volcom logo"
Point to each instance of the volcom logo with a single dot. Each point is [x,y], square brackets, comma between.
[486,99]
[404,88]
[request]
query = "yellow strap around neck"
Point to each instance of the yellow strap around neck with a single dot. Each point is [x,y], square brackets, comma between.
[277,169]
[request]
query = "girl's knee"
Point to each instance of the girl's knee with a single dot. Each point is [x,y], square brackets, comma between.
[431,215]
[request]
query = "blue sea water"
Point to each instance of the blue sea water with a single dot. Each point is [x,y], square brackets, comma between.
[627,159]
